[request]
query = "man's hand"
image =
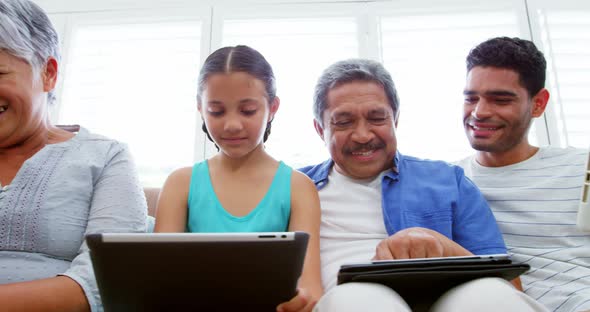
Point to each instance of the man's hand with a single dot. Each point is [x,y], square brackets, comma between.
[418,243]
[302,302]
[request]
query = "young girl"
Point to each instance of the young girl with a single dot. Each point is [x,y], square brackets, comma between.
[242,188]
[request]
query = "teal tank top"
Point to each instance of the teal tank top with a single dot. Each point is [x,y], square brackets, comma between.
[205,213]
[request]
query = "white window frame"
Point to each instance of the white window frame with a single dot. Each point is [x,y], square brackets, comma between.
[201,13]
[69,14]
[287,10]
[553,133]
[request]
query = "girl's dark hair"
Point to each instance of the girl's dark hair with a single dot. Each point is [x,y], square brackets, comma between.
[240,58]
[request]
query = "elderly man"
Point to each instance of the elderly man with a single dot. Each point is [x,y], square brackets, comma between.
[380,204]
[533,192]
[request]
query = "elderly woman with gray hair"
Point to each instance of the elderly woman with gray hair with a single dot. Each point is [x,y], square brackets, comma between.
[56,186]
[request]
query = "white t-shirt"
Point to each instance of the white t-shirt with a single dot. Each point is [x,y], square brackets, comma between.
[535,203]
[352,223]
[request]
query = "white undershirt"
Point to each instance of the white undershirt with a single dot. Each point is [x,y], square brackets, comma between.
[352,223]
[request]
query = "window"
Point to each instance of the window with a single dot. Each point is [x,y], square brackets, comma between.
[299,46]
[564,32]
[135,80]
[425,51]
[130,72]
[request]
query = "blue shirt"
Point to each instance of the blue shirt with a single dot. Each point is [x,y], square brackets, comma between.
[206,214]
[433,195]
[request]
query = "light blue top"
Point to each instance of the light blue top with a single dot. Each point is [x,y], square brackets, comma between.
[87,184]
[433,195]
[206,214]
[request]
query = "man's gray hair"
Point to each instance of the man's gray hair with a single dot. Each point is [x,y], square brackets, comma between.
[349,71]
[27,33]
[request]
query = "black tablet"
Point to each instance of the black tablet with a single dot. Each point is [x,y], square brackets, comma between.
[377,265]
[423,280]
[197,271]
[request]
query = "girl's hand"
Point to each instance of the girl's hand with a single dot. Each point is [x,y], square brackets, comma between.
[302,302]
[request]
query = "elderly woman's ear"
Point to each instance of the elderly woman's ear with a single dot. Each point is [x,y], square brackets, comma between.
[49,74]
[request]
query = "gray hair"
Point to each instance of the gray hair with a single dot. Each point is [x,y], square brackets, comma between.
[27,33]
[349,71]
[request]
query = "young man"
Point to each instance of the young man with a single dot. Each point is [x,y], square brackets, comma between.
[534,192]
[377,203]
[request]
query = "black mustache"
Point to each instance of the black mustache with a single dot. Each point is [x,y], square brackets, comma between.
[364,147]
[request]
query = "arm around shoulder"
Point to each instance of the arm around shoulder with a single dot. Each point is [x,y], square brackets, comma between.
[172,211]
